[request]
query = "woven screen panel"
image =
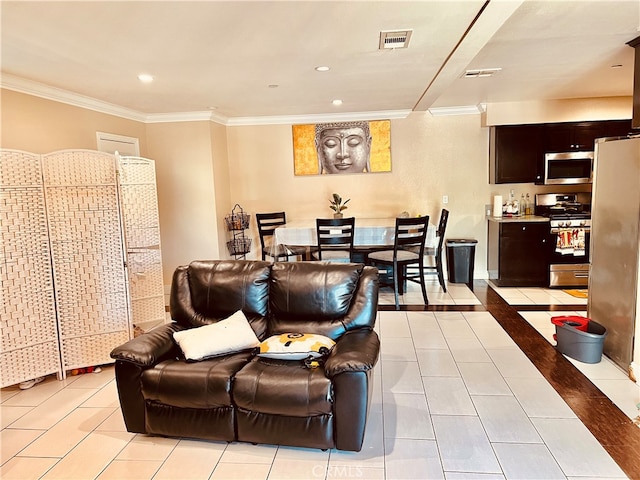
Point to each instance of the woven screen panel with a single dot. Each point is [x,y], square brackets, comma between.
[146,310]
[29,362]
[25,241]
[137,170]
[28,326]
[145,273]
[20,169]
[87,255]
[87,350]
[78,167]
[28,318]
[139,203]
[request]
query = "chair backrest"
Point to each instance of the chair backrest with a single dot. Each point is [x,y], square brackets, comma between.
[411,234]
[442,226]
[267,223]
[335,234]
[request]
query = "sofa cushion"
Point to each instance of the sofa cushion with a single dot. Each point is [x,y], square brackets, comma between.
[205,384]
[295,346]
[230,335]
[282,387]
[306,298]
[207,291]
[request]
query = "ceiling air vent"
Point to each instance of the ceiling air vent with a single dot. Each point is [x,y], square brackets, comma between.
[481,72]
[393,39]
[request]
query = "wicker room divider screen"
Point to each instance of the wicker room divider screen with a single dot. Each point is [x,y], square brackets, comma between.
[64,222]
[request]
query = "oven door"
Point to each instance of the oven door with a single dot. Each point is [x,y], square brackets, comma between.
[569,270]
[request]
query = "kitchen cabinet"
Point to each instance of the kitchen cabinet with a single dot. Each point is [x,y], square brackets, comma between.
[518,253]
[516,152]
[581,136]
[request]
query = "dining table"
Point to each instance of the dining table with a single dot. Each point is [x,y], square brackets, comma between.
[369,232]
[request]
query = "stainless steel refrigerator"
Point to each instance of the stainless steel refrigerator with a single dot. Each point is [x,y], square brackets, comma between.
[615,246]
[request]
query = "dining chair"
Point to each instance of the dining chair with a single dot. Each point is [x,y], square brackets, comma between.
[267,224]
[408,250]
[436,251]
[335,239]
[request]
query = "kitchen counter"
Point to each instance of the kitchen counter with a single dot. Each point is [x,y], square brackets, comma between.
[523,218]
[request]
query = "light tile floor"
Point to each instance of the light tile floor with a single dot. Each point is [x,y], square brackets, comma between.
[606,375]
[456,294]
[453,398]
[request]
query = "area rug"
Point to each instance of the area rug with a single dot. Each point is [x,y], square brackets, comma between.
[578,293]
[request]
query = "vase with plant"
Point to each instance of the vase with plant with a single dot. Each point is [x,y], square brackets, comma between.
[337,205]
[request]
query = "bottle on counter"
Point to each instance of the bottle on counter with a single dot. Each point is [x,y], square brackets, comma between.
[523,205]
[529,206]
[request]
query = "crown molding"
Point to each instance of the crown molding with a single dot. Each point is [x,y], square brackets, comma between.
[30,87]
[319,118]
[184,117]
[460,110]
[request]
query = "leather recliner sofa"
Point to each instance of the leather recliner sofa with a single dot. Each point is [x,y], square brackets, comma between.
[242,396]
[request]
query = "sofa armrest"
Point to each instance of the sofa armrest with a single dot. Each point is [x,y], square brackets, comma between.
[355,351]
[149,348]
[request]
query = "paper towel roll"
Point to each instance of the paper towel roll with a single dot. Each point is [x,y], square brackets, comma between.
[497,205]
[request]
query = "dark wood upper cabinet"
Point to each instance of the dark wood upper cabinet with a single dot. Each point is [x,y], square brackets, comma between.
[571,137]
[516,152]
[581,136]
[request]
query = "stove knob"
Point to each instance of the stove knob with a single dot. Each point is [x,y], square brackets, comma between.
[583,223]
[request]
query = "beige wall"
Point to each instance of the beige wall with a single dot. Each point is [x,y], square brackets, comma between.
[42,126]
[431,157]
[204,169]
[186,192]
[224,204]
[183,153]
[568,110]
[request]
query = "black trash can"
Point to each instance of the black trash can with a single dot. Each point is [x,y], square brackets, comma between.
[461,254]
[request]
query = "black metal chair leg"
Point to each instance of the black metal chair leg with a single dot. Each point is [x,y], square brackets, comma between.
[395,285]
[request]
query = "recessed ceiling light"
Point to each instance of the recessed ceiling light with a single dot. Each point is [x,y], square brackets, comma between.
[337,102]
[322,69]
[145,78]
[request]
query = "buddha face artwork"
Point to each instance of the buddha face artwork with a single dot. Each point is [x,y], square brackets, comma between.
[342,147]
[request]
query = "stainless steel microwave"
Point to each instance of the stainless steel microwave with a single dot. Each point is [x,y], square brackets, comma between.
[568,168]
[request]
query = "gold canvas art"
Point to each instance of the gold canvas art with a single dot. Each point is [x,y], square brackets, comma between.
[342,148]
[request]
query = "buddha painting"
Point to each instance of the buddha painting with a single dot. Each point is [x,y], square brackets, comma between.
[343,147]
[337,148]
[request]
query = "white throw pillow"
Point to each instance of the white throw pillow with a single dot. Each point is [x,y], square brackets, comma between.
[232,334]
[296,346]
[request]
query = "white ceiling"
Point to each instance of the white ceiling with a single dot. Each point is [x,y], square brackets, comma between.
[222,57]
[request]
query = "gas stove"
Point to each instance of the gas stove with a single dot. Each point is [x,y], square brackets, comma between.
[568,261]
[570,221]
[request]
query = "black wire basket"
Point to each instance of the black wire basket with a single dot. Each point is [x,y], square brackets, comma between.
[237,220]
[239,246]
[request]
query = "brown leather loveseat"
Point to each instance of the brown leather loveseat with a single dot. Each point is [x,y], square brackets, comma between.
[241,396]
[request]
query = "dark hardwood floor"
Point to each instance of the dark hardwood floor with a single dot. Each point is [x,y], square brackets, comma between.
[609,425]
